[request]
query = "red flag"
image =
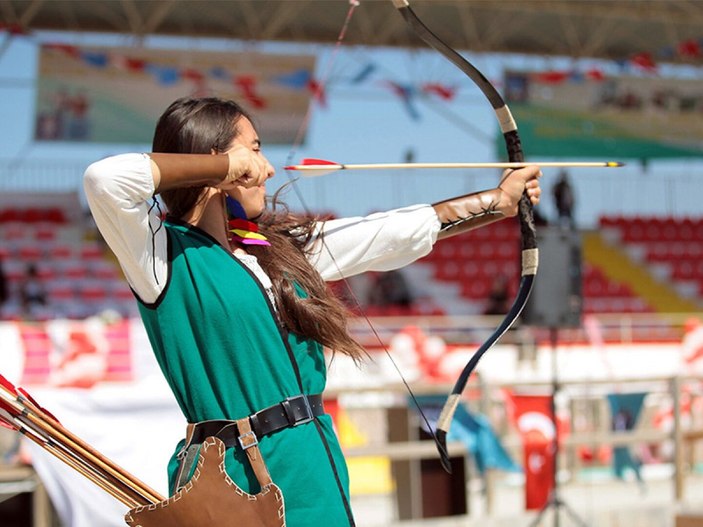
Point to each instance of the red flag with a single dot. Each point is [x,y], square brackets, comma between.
[551,77]
[247,85]
[318,92]
[689,48]
[135,64]
[595,75]
[443,92]
[645,61]
[192,75]
[68,49]
[532,416]
[13,29]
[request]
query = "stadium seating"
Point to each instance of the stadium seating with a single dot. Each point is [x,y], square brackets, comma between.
[672,246]
[473,260]
[78,274]
[81,279]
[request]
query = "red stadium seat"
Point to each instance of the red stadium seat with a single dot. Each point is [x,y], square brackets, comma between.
[60,291]
[14,270]
[45,271]
[508,250]
[9,215]
[45,232]
[120,290]
[32,215]
[469,251]
[59,251]
[475,289]
[55,215]
[31,251]
[73,269]
[92,292]
[91,251]
[470,269]
[15,231]
[447,270]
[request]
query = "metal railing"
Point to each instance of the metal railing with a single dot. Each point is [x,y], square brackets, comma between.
[622,328]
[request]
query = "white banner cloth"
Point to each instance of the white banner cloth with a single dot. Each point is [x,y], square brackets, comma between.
[136,425]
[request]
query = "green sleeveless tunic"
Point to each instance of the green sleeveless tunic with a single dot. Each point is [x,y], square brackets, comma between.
[217,340]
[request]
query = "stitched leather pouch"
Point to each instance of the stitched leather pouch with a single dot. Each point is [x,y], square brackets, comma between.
[211,498]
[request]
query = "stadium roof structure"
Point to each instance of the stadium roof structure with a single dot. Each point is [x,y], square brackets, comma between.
[608,29]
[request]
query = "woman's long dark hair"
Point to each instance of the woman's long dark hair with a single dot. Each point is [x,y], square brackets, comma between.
[203,125]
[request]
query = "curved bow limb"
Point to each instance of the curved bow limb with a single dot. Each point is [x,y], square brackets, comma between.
[530,255]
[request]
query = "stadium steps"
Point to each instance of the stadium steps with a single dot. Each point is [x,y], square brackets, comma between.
[617,265]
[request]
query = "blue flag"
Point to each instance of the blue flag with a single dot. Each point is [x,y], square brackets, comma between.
[625,409]
[474,431]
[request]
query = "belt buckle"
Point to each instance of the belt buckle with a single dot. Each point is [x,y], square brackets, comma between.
[306,405]
[248,440]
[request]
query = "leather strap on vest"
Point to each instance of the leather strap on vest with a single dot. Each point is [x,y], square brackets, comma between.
[250,444]
[293,411]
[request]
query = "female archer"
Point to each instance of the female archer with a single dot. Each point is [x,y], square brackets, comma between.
[233,296]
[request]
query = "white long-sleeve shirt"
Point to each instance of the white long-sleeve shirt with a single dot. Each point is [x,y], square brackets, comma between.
[119,191]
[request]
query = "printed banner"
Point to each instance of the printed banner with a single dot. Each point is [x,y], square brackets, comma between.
[115,95]
[692,346]
[68,353]
[579,115]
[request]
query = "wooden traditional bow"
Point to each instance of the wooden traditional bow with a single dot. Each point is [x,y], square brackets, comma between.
[353,4]
[529,234]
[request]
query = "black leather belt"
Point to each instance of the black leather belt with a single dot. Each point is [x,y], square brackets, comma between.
[293,411]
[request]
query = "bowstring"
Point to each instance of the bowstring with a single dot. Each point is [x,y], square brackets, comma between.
[324,78]
[322,83]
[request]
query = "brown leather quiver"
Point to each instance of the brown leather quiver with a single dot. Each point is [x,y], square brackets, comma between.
[212,499]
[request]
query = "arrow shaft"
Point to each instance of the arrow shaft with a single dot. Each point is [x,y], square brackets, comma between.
[398,166]
[81,466]
[19,424]
[472,165]
[33,417]
[141,493]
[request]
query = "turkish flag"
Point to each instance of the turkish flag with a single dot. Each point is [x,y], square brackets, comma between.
[532,414]
[539,469]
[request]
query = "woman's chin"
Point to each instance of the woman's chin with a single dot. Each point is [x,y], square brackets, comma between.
[253,215]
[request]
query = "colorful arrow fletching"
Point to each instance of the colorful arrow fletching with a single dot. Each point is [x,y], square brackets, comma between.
[8,385]
[313,161]
[24,393]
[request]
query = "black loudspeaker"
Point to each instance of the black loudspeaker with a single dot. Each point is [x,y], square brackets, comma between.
[556,300]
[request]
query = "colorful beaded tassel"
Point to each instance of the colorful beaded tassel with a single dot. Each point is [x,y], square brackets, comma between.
[241,229]
[246,232]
